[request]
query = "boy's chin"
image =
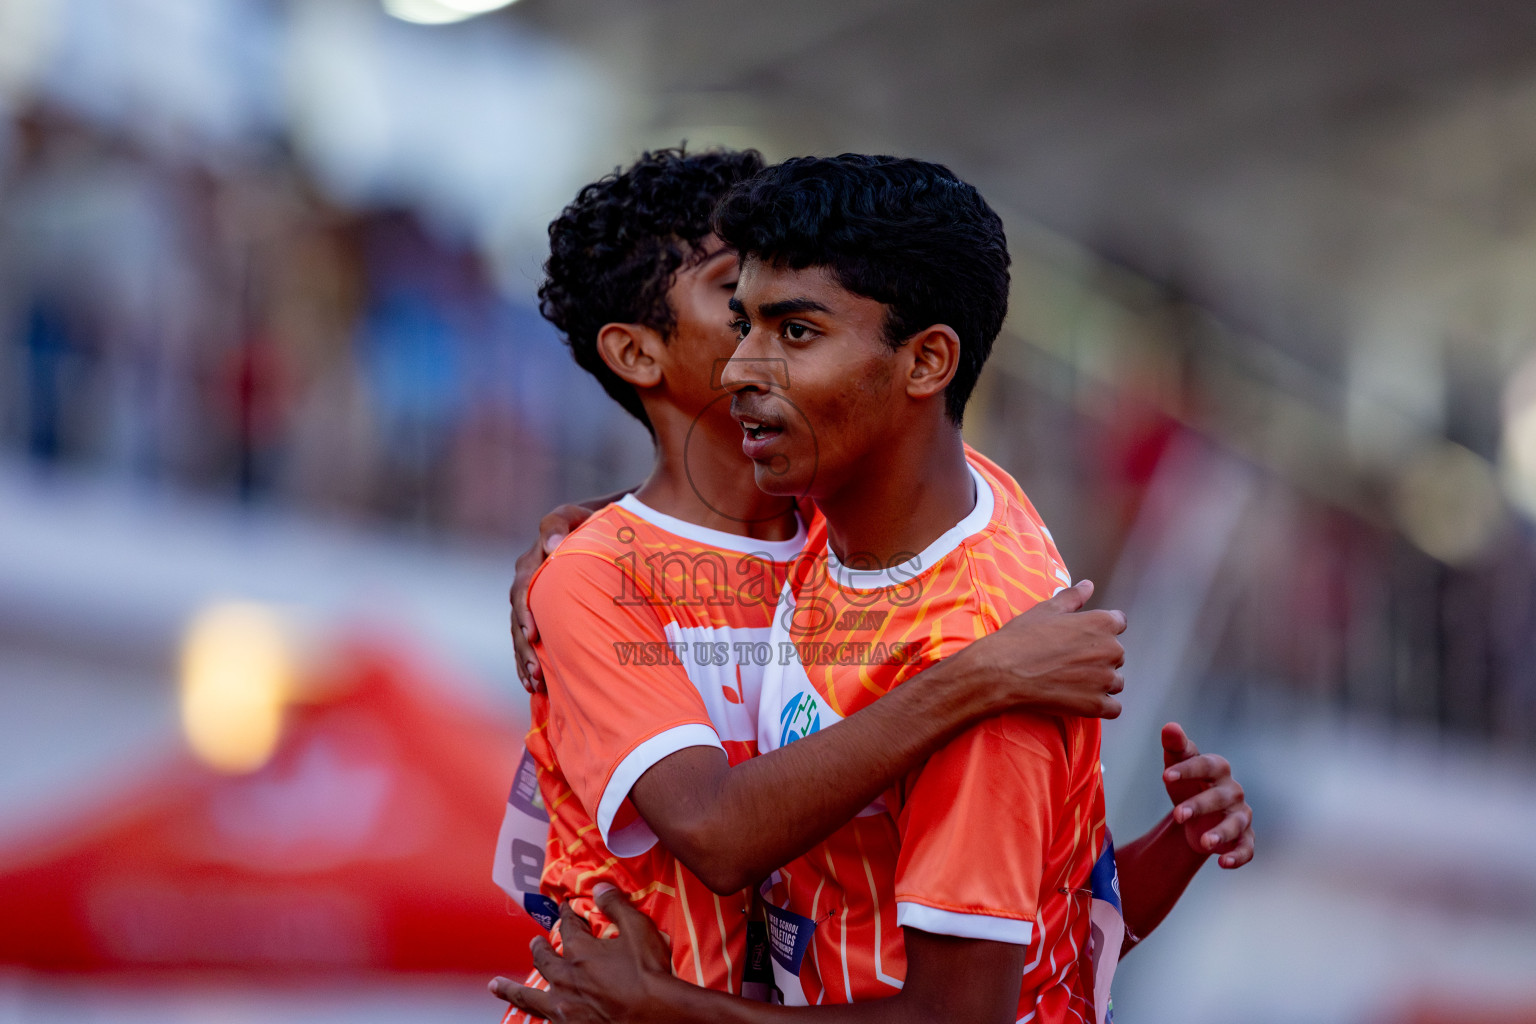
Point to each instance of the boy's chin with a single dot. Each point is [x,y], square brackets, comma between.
[787,485]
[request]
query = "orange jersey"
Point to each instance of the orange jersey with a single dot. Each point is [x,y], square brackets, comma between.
[996,836]
[652,639]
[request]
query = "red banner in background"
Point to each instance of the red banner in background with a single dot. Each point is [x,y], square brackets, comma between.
[364,843]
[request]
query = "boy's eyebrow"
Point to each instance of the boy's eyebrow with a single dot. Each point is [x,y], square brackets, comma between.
[736,306]
[786,307]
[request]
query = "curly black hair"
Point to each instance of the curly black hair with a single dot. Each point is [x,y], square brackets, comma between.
[904,232]
[614,250]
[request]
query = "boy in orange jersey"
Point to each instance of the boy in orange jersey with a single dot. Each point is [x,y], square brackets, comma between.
[980,886]
[654,616]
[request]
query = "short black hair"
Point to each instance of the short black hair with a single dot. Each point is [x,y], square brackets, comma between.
[904,232]
[614,250]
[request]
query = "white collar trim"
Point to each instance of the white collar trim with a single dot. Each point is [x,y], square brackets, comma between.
[772,550]
[873,579]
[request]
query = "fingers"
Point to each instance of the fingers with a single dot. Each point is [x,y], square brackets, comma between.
[1177,747]
[1240,853]
[1215,799]
[618,908]
[575,930]
[527,627]
[531,1000]
[1104,704]
[1232,836]
[552,965]
[527,662]
[1070,599]
[553,529]
[561,520]
[1227,831]
[1200,767]
[524,631]
[529,673]
[636,930]
[1097,641]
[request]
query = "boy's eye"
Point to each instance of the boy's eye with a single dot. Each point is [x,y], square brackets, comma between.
[796,332]
[741,328]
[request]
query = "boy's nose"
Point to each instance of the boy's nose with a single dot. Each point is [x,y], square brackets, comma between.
[742,373]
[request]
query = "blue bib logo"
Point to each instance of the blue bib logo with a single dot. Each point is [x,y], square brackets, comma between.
[789,936]
[800,718]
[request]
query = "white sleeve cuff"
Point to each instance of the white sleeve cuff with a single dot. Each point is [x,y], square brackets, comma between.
[636,838]
[964,926]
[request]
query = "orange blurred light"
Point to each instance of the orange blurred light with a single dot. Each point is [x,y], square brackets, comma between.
[236,679]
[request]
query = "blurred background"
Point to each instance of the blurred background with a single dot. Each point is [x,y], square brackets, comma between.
[277,410]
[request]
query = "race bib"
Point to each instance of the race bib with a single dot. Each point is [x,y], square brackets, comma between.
[519,862]
[1107,924]
[789,936]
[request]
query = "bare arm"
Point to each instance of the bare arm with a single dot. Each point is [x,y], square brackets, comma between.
[732,826]
[627,980]
[1211,816]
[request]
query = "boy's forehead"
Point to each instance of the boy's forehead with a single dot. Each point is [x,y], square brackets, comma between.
[762,282]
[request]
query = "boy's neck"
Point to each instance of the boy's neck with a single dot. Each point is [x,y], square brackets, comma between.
[901,500]
[704,479]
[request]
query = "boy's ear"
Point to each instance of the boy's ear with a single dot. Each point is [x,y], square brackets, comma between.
[935,356]
[633,352]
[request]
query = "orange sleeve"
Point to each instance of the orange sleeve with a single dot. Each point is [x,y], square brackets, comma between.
[620,700]
[977,821]
[975,829]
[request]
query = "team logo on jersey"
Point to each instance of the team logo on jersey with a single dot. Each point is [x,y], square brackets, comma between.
[800,718]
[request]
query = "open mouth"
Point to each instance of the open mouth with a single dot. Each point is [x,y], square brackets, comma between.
[759,435]
[759,431]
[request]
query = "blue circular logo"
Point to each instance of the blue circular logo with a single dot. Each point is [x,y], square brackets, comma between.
[800,718]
